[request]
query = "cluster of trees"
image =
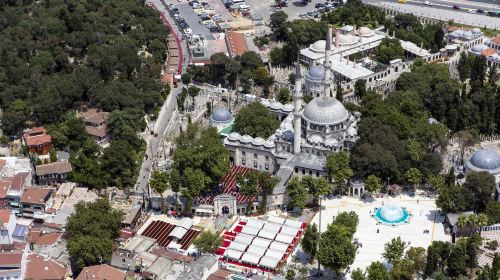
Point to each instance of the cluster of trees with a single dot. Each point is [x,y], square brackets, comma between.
[299,190]
[257,183]
[207,242]
[91,231]
[407,27]
[396,138]
[58,54]
[256,120]
[244,70]
[388,50]
[354,12]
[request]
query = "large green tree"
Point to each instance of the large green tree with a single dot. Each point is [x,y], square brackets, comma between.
[297,193]
[207,242]
[394,250]
[481,185]
[338,168]
[309,241]
[256,120]
[377,271]
[159,182]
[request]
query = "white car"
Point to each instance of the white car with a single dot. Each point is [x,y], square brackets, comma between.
[472,11]
[428,3]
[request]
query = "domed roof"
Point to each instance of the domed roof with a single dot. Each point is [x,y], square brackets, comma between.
[347,39]
[325,110]
[269,144]
[479,48]
[432,121]
[288,107]
[265,102]
[276,105]
[316,73]
[315,139]
[351,131]
[257,141]
[318,46]
[467,34]
[486,159]
[221,115]
[288,135]
[234,136]
[476,30]
[365,32]
[331,142]
[246,139]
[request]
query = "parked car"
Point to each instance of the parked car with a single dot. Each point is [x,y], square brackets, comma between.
[481,11]
[428,3]
[456,7]
[472,11]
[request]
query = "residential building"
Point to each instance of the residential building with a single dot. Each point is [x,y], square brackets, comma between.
[4,188]
[35,202]
[43,268]
[18,183]
[37,141]
[52,173]
[7,226]
[101,272]
[95,124]
[12,265]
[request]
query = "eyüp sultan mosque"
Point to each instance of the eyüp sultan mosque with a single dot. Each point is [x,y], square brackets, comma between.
[307,134]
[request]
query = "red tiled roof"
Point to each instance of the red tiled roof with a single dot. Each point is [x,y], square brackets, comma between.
[58,167]
[488,52]
[236,43]
[36,195]
[40,268]
[18,181]
[94,116]
[4,187]
[220,274]
[4,216]
[171,255]
[101,272]
[11,259]
[48,238]
[496,39]
[96,131]
[2,163]
[37,136]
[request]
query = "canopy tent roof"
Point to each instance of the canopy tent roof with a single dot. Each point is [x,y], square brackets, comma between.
[256,250]
[250,258]
[272,227]
[178,232]
[276,220]
[238,246]
[269,262]
[278,246]
[267,234]
[250,230]
[186,223]
[293,223]
[244,238]
[285,238]
[274,254]
[255,223]
[261,242]
[289,230]
[233,254]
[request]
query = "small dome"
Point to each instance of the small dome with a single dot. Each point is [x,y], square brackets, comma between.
[221,115]
[479,48]
[276,105]
[278,132]
[288,107]
[271,138]
[347,39]
[325,110]
[432,121]
[257,141]
[476,30]
[288,135]
[234,136]
[318,46]
[351,131]
[246,139]
[467,34]
[365,32]
[265,102]
[486,159]
[451,47]
[315,139]
[316,73]
[269,144]
[331,142]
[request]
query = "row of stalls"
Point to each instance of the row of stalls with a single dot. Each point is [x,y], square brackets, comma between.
[176,237]
[260,244]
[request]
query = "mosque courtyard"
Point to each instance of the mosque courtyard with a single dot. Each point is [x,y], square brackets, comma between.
[426,224]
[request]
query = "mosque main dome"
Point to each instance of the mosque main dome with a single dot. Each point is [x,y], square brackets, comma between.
[486,159]
[325,110]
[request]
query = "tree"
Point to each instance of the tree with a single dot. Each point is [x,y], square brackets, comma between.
[249,186]
[495,266]
[91,230]
[465,140]
[481,185]
[255,120]
[159,183]
[309,242]
[15,117]
[186,79]
[338,168]
[394,250]
[349,220]
[389,49]
[463,67]
[493,212]
[207,242]
[336,250]
[119,160]
[376,271]
[360,88]
[267,183]
[339,93]
[290,274]
[278,22]
[358,274]
[297,193]
[316,187]
[284,96]
[456,262]
[372,183]
[413,176]
[195,181]
[418,258]
[193,92]
[402,270]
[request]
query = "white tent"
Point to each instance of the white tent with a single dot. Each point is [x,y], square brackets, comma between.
[186,223]
[269,262]
[276,220]
[267,234]
[255,223]
[293,223]
[237,246]
[178,232]
[250,230]
[244,238]
[278,246]
[274,254]
[289,230]
[261,242]
[250,258]
[272,227]
[256,250]
[233,254]
[288,239]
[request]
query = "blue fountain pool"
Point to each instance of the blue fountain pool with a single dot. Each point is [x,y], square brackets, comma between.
[392,214]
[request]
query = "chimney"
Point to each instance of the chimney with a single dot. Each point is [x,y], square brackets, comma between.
[337,38]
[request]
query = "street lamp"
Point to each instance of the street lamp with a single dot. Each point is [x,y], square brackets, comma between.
[319,235]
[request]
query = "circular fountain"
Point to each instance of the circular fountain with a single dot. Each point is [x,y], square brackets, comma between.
[392,214]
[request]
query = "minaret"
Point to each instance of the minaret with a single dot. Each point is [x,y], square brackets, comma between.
[327,63]
[297,112]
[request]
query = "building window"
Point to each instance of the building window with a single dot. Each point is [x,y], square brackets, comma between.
[296,170]
[267,157]
[243,162]
[317,174]
[243,153]
[310,173]
[255,156]
[255,164]
[303,171]
[267,166]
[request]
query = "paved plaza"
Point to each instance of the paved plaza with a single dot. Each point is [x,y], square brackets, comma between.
[425,217]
